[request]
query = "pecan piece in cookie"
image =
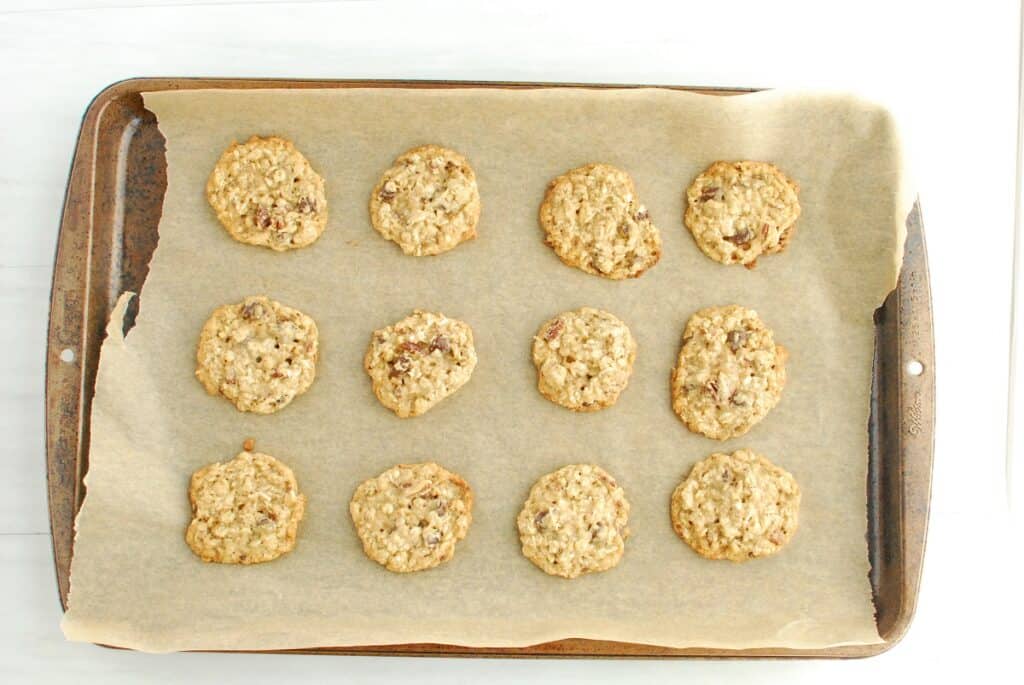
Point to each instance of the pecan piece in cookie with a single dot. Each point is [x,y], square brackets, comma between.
[708,193]
[554,330]
[736,339]
[399,365]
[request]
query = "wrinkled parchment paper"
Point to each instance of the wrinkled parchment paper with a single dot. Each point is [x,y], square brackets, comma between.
[136,584]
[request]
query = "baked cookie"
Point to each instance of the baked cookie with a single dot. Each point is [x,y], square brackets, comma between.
[736,506]
[574,521]
[258,353]
[244,511]
[730,372]
[594,221]
[584,359]
[419,361]
[427,202]
[410,517]
[738,211]
[266,193]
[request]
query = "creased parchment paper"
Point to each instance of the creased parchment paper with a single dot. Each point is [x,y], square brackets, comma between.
[136,584]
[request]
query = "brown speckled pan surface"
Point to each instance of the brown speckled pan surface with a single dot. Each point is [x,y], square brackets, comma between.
[109,231]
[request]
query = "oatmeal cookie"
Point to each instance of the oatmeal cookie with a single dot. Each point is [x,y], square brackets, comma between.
[738,211]
[257,353]
[419,361]
[427,202]
[730,372]
[594,221]
[410,517]
[244,511]
[265,192]
[574,521]
[584,359]
[736,506]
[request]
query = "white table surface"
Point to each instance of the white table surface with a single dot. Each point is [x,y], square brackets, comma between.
[949,73]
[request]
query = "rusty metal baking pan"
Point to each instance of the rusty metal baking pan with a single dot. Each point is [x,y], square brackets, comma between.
[109,231]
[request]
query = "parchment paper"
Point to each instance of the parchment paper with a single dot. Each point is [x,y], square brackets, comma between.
[136,584]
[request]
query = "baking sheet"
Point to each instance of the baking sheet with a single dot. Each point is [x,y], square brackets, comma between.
[134,581]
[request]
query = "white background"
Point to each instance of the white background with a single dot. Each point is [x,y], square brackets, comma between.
[948,70]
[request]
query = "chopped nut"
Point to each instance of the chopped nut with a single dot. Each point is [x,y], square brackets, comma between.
[642,215]
[413,346]
[736,339]
[251,310]
[399,366]
[307,205]
[386,194]
[262,217]
[740,238]
[708,193]
[440,343]
[554,330]
[433,538]
[538,520]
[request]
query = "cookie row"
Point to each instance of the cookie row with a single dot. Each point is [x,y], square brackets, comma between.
[574,521]
[265,192]
[730,373]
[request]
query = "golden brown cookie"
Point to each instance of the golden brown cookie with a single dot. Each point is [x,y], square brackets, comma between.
[258,353]
[418,361]
[730,372]
[574,521]
[594,221]
[738,211]
[265,192]
[410,517]
[244,511]
[584,359]
[736,506]
[427,202]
